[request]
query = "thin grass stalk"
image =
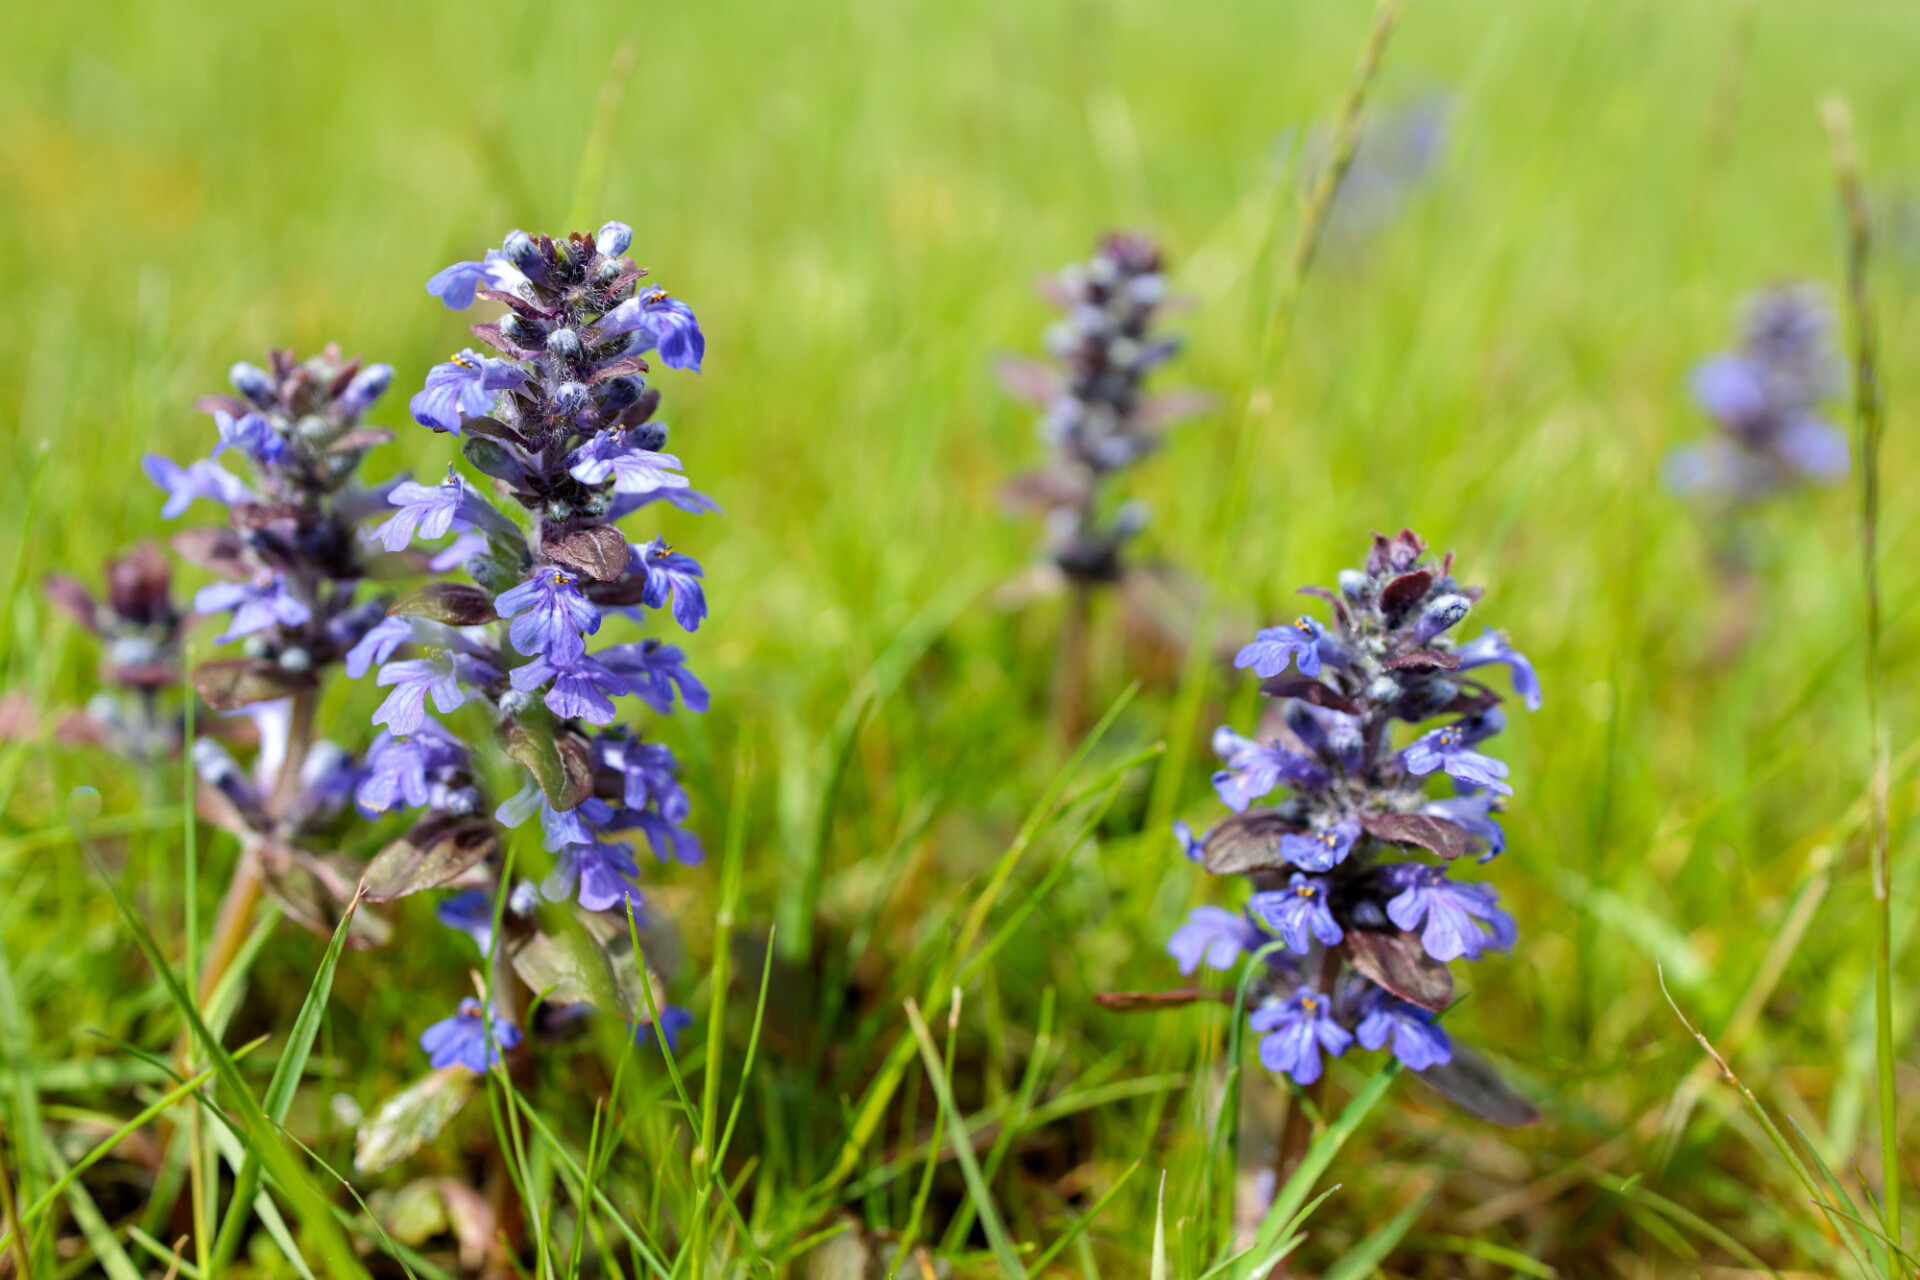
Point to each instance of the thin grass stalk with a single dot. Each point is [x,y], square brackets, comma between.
[1276,331]
[1072,657]
[1869,414]
[23,1267]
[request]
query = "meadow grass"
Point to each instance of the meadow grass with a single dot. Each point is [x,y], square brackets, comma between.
[856,198]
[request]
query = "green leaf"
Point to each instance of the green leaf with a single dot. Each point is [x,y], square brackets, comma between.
[411,1118]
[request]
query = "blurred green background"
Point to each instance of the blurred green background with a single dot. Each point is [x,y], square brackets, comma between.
[855,197]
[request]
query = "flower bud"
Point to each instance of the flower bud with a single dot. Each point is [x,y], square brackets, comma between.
[254,383]
[618,394]
[295,659]
[569,398]
[651,436]
[564,343]
[613,239]
[367,386]
[1442,613]
[514,703]
[519,329]
[524,254]
[1352,583]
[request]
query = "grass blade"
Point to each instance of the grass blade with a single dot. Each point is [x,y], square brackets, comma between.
[286,1079]
[1360,1261]
[258,1132]
[982,1196]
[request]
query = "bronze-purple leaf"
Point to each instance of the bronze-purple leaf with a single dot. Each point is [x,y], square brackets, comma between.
[361,438]
[1031,380]
[1169,407]
[619,369]
[1399,963]
[1447,839]
[233,406]
[1042,490]
[1405,591]
[597,551]
[1247,842]
[1339,605]
[457,604]
[1140,1001]
[495,428]
[314,890]
[1470,1083]
[70,594]
[562,767]
[1292,684]
[232,683]
[437,850]
[259,515]
[1426,658]
[215,548]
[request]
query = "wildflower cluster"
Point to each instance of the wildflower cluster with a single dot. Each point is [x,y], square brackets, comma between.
[1766,397]
[1354,928]
[560,418]
[290,569]
[1097,416]
[140,629]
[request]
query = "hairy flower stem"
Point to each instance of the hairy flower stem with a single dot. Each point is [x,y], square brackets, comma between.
[243,891]
[1868,412]
[1071,677]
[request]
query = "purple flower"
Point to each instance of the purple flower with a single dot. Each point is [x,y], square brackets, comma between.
[1731,388]
[692,501]
[650,772]
[1418,1041]
[1332,735]
[1273,647]
[377,645]
[668,571]
[1446,748]
[653,670]
[252,434]
[1325,849]
[549,614]
[1213,935]
[633,470]
[257,604]
[1190,844]
[1492,647]
[669,842]
[664,322]
[1254,770]
[1296,911]
[463,548]
[455,285]
[600,874]
[582,689]
[462,388]
[612,239]
[462,1039]
[1472,813]
[1816,449]
[426,510]
[673,1020]
[418,770]
[367,386]
[471,912]
[1451,912]
[200,479]
[1298,1031]
[405,709]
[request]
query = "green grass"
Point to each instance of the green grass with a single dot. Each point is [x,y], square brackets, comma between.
[855,197]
